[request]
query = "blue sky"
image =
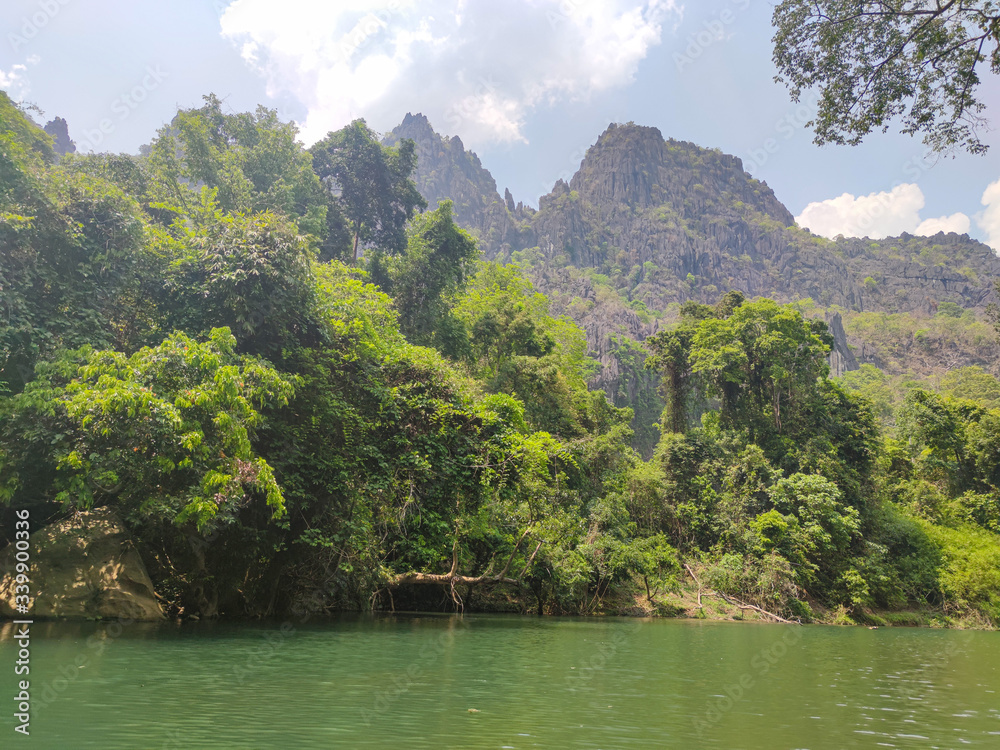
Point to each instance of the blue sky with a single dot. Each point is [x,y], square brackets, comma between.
[528,84]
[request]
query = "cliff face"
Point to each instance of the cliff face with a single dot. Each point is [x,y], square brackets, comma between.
[633,166]
[445,170]
[646,222]
[842,359]
[697,225]
[916,274]
[678,222]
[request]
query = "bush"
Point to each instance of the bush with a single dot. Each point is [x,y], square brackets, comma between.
[970,575]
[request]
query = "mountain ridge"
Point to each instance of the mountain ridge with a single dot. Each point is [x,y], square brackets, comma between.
[646,223]
[652,199]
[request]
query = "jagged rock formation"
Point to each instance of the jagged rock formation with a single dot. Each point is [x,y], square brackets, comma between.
[59,131]
[83,567]
[646,222]
[669,221]
[446,171]
[706,226]
[842,359]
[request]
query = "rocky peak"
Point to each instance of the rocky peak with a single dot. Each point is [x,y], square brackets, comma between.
[622,167]
[633,165]
[560,189]
[59,131]
[415,126]
[509,200]
[447,171]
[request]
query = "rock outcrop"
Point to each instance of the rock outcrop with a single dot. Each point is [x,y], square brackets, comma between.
[82,567]
[446,171]
[59,131]
[647,222]
[841,359]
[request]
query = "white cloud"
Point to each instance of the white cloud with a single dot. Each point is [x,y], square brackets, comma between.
[476,69]
[989,219]
[876,215]
[958,223]
[879,215]
[14,82]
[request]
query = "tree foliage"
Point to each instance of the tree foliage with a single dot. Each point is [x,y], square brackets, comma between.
[165,434]
[872,63]
[438,262]
[372,183]
[75,248]
[283,431]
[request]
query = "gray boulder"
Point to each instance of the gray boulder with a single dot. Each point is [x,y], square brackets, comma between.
[85,566]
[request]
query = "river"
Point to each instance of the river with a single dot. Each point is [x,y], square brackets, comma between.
[492,681]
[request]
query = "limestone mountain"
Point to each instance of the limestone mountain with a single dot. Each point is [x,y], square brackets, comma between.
[647,223]
[669,221]
[447,171]
[59,131]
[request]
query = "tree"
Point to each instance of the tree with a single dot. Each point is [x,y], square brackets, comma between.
[75,254]
[251,274]
[875,62]
[506,318]
[164,437]
[972,383]
[164,434]
[251,159]
[821,529]
[671,355]
[439,259]
[956,441]
[763,362]
[371,183]
[516,346]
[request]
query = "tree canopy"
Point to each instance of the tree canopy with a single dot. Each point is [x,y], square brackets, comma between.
[183,343]
[872,63]
[372,183]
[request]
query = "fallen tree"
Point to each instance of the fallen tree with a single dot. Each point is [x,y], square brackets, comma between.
[732,601]
[452,578]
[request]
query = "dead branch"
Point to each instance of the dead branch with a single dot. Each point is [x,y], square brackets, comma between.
[741,605]
[530,560]
[452,578]
[736,602]
[688,569]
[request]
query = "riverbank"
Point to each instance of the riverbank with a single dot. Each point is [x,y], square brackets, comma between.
[690,601]
[693,601]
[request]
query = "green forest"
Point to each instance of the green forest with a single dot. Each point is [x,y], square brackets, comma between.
[302,389]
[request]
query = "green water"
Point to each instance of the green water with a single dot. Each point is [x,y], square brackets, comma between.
[409,681]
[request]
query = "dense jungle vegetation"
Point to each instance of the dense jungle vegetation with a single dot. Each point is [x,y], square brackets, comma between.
[301,390]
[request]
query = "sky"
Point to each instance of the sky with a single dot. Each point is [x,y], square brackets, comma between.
[527,84]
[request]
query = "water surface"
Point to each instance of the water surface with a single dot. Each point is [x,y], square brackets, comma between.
[408,681]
